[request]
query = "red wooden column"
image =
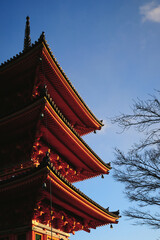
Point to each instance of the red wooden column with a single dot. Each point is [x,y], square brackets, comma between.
[12,237]
[44,237]
[30,235]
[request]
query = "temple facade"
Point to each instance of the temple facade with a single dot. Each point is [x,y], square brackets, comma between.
[42,153]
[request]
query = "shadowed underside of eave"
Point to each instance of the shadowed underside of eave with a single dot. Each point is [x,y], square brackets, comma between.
[40,62]
[33,133]
[63,194]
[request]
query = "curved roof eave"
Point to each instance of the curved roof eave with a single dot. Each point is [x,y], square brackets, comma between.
[64,180]
[41,43]
[40,104]
[45,169]
[53,105]
[70,84]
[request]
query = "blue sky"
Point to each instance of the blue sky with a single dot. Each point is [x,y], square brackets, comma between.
[110,50]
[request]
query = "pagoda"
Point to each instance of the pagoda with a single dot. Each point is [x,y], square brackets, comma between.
[42,121]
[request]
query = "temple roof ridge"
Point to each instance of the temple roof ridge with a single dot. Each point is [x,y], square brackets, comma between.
[43,42]
[113,213]
[18,55]
[47,99]
[52,103]
[42,37]
[47,166]
[71,85]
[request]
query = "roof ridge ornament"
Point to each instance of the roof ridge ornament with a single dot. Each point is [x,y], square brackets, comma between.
[42,36]
[27,39]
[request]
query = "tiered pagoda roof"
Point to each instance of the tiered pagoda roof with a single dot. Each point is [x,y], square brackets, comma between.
[34,69]
[29,132]
[72,210]
[42,120]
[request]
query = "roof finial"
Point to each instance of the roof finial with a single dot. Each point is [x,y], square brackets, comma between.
[42,36]
[27,39]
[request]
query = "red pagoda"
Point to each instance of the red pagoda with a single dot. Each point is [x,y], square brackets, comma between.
[42,153]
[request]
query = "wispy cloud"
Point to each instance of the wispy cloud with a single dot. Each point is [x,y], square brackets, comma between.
[150,12]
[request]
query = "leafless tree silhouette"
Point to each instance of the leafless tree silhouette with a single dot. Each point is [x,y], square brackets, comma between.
[139,169]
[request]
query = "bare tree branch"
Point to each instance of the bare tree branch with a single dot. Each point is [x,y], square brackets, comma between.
[139,169]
